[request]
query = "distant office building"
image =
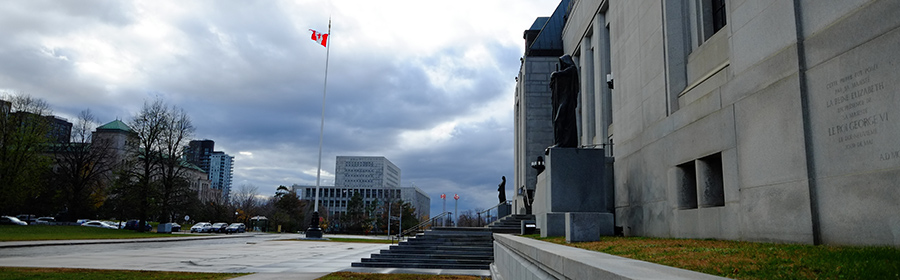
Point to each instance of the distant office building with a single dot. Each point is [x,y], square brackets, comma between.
[59,130]
[377,179]
[335,199]
[366,172]
[418,199]
[221,166]
[198,152]
[5,108]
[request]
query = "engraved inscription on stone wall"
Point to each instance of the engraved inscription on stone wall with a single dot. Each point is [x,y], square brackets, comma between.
[851,103]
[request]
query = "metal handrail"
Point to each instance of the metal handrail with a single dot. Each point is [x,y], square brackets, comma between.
[422,224]
[480,221]
[495,207]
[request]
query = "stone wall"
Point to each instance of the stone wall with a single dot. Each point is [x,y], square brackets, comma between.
[777,127]
[534,125]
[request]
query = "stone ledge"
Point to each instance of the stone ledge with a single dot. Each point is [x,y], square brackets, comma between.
[573,263]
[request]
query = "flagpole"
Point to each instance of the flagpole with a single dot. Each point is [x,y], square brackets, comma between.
[314,230]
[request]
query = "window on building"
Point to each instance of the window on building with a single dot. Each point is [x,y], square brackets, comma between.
[687,185]
[718,14]
[709,17]
[711,182]
[701,183]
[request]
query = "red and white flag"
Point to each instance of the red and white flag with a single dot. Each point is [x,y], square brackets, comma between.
[321,38]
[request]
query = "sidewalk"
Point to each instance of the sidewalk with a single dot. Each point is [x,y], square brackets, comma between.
[35,243]
[268,257]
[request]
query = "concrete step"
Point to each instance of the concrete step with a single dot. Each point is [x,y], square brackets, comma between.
[424,250]
[437,256]
[421,265]
[431,261]
[440,248]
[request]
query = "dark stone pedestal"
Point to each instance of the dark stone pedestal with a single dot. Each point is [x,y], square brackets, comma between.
[314,233]
[504,210]
[573,183]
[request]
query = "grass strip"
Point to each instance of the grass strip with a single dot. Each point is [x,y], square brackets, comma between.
[45,232]
[376,276]
[77,273]
[752,260]
[361,240]
[346,240]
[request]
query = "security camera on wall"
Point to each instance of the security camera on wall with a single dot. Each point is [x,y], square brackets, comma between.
[609,80]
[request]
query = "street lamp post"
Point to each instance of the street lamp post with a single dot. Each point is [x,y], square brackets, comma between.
[456,210]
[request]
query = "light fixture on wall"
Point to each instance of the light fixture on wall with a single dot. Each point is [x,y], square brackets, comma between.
[609,80]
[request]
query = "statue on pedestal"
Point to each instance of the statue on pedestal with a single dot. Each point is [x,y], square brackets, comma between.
[564,86]
[502,189]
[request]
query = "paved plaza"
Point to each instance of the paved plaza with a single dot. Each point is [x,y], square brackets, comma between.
[269,256]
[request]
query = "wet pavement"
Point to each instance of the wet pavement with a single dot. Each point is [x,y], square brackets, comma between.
[269,256]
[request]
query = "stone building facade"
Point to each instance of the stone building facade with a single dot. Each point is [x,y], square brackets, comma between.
[750,120]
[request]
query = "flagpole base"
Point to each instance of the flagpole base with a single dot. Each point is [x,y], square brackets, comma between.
[314,231]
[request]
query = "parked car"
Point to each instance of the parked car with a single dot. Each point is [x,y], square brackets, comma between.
[98,224]
[236,228]
[201,227]
[28,218]
[219,227]
[175,227]
[81,221]
[7,220]
[133,225]
[117,225]
[45,220]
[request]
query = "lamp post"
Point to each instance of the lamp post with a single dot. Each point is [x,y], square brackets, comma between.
[444,219]
[456,211]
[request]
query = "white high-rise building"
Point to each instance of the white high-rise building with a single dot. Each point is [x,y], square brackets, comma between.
[221,167]
[377,179]
[366,172]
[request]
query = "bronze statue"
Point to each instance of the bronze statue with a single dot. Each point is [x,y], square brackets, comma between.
[564,86]
[502,189]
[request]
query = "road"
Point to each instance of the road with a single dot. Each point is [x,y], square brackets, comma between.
[246,253]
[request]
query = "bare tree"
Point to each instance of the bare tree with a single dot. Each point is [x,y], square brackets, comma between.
[23,132]
[246,200]
[149,126]
[82,168]
[175,188]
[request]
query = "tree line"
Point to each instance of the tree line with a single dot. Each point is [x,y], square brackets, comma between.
[142,176]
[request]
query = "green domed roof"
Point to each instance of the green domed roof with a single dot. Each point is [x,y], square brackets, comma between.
[115,125]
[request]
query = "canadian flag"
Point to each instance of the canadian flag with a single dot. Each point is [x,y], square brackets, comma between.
[320,37]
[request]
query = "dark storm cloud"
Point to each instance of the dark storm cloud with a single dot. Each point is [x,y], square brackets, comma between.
[252,80]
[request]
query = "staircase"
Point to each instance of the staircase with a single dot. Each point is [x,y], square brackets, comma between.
[509,224]
[440,248]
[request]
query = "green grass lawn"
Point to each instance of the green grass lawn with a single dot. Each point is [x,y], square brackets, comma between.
[751,260]
[44,232]
[71,273]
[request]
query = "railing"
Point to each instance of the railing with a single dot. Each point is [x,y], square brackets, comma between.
[425,224]
[488,218]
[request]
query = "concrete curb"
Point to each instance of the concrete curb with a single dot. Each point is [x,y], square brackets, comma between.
[523,258]
[37,243]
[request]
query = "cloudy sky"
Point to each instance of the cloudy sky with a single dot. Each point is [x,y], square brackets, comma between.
[427,84]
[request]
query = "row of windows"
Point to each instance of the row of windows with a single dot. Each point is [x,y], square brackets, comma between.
[341,203]
[347,193]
